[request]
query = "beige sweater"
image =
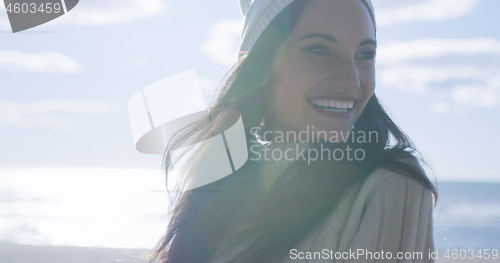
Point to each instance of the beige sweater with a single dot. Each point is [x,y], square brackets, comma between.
[388,212]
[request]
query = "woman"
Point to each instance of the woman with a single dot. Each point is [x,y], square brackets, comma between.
[306,67]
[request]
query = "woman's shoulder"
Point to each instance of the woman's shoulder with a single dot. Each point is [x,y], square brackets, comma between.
[386,198]
[386,183]
[392,210]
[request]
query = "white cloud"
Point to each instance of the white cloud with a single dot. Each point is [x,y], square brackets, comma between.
[103,12]
[113,11]
[390,12]
[464,71]
[476,96]
[420,79]
[223,43]
[43,113]
[430,48]
[440,106]
[49,62]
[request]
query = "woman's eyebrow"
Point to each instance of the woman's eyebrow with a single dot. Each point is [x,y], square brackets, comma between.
[322,36]
[334,40]
[368,42]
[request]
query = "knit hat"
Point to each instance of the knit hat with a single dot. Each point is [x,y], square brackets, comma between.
[259,13]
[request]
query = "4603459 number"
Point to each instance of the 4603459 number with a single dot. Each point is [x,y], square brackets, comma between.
[471,254]
[33,8]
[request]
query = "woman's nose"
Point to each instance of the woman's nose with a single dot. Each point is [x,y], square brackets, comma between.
[344,76]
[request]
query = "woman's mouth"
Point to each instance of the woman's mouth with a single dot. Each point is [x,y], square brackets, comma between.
[338,106]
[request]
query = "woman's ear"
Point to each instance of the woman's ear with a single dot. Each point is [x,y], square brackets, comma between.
[254,107]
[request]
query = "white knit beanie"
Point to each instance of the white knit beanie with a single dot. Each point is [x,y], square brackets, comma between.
[259,13]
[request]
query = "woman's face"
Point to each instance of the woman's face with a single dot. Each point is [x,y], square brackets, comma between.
[325,74]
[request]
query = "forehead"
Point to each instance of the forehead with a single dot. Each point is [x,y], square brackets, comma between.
[343,19]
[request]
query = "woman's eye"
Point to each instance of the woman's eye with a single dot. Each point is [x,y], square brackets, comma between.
[319,50]
[366,55]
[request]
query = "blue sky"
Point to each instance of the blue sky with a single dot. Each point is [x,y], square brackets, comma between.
[65,85]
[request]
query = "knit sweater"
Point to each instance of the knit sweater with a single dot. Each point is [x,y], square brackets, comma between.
[388,212]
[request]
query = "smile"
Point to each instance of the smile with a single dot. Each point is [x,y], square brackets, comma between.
[333,105]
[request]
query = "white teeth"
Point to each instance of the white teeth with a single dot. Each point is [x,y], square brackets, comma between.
[333,105]
[336,110]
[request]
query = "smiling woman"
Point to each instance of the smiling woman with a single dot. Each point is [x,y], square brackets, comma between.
[326,74]
[307,68]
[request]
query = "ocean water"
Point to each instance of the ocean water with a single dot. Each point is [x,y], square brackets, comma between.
[117,208]
[467,216]
[125,208]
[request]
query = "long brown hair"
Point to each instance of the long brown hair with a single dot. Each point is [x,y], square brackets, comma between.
[232,212]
